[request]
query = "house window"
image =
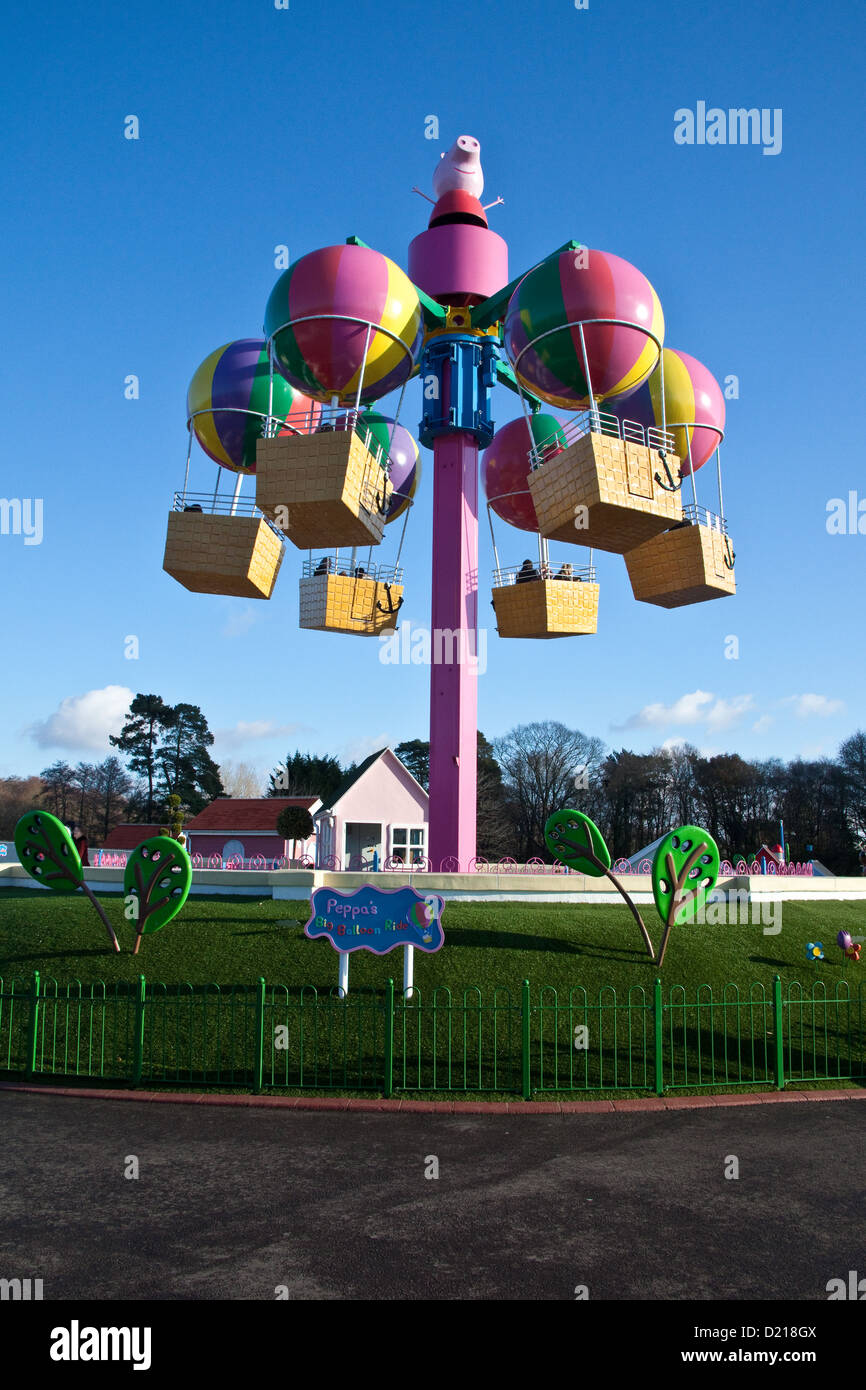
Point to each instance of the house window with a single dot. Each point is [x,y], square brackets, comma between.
[408,843]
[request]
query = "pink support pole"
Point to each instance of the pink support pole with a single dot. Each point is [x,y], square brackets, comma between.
[454,623]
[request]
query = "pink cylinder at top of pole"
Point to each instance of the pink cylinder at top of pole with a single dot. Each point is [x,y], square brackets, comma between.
[458,260]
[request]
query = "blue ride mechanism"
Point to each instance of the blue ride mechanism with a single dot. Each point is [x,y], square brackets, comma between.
[463,367]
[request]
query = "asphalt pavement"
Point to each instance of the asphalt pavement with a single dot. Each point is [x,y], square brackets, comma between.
[258,1203]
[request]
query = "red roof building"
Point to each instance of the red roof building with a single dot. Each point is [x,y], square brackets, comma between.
[246,827]
[129,836]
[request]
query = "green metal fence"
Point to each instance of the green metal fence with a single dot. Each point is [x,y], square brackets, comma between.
[262,1037]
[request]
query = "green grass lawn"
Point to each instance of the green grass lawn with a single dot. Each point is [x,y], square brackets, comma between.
[236,940]
[585,964]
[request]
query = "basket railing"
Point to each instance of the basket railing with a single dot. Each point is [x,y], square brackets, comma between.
[567,573]
[598,422]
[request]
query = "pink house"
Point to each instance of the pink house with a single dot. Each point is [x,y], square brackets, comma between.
[379,813]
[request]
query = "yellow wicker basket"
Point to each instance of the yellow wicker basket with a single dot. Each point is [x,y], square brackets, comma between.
[615,481]
[344,603]
[546,608]
[687,565]
[322,490]
[237,555]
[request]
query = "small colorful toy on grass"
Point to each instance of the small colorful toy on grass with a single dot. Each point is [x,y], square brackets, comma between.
[814,950]
[156,883]
[46,850]
[848,946]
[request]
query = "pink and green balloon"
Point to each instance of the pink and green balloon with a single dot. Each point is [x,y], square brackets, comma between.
[345,319]
[570,292]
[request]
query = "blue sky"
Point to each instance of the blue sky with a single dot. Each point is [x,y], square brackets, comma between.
[260,127]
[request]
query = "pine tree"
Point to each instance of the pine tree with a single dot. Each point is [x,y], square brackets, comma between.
[147,721]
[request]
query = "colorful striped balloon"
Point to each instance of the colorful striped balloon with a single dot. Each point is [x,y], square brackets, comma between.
[324,355]
[400,449]
[694,407]
[229,395]
[505,467]
[573,288]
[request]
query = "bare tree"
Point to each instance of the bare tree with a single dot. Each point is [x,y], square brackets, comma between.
[111,789]
[58,788]
[545,767]
[852,756]
[241,779]
[18,795]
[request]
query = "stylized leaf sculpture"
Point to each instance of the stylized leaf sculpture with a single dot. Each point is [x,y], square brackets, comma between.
[685,870]
[158,875]
[575,840]
[47,851]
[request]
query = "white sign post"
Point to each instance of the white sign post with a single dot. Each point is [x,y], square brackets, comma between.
[343,973]
[408,971]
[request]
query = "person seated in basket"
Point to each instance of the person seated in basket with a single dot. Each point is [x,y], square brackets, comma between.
[527,572]
[360,572]
[323,567]
[566,571]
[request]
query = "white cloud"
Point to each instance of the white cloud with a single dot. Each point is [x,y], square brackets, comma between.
[724,713]
[761,725]
[361,748]
[84,721]
[816,750]
[697,707]
[688,709]
[241,621]
[247,731]
[821,706]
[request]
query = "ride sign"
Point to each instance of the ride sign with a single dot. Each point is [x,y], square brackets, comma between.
[377,919]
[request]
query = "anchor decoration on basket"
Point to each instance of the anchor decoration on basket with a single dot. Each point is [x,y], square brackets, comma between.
[391,607]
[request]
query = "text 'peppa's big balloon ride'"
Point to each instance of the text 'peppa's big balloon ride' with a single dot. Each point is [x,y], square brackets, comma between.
[694,407]
[346,323]
[230,398]
[583,326]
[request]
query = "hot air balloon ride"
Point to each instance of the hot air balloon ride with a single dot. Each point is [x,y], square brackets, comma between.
[342,592]
[583,329]
[306,409]
[219,543]
[344,325]
[694,560]
[543,600]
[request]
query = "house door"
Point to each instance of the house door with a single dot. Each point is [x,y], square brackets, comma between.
[363,840]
